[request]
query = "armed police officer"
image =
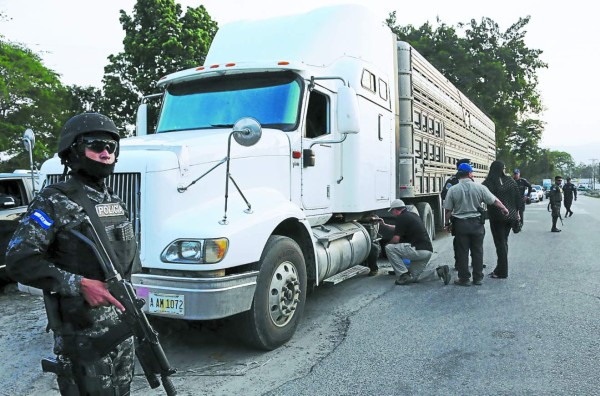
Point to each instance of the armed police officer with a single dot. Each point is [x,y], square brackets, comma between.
[524,188]
[569,191]
[95,355]
[556,197]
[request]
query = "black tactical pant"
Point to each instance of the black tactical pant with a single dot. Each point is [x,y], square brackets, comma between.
[568,203]
[468,236]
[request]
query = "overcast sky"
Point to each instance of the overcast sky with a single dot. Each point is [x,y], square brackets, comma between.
[75,37]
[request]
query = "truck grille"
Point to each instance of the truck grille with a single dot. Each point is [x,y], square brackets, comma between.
[127,186]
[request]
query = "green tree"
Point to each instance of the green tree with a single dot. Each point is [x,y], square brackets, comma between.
[83,99]
[31,96]
[495,69]
[523,140]
[563,161]
[158,40]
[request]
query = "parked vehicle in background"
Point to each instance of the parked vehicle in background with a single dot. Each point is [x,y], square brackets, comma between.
[581,187]
[534,196]
[546,184]
[16,191]
[540,191]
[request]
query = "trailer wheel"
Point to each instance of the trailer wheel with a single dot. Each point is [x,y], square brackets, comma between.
[426,215]
[279,297]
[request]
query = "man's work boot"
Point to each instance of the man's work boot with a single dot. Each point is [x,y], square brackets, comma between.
[443,273]
[462,282]
[405,279]
[555,230]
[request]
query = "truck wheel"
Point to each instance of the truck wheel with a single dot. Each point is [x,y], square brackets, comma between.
[279,297]
[426,215]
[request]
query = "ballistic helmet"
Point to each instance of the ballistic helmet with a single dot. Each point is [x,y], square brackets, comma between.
[82,124]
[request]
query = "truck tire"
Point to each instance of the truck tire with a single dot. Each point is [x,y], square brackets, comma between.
[279,297]
[426,215]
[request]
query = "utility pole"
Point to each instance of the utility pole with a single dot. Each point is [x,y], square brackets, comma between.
[594,172]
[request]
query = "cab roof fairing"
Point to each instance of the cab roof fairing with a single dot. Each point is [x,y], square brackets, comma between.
[236,68]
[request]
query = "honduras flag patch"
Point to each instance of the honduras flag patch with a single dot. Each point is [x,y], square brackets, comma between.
[41,218]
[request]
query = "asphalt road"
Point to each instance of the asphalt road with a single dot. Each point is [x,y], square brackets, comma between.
[535,333]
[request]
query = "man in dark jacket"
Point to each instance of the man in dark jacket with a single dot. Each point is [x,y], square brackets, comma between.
[556,197]
[525,189]
[410,249]
[44,254]
[569,192]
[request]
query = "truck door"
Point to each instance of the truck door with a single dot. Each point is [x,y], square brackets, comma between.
[317,179]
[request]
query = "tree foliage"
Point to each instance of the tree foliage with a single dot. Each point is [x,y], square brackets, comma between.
[495,69]
[31,96]
[159,39]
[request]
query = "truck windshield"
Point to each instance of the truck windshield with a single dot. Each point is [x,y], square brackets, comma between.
[272,98]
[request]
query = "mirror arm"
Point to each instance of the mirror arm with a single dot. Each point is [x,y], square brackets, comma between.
[329,141]
[311,84]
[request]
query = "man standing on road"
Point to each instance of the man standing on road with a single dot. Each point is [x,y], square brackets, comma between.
[94,355]
[411,245]
[452,181]
[555,196]
[525,189]
[569,191]
[463,208]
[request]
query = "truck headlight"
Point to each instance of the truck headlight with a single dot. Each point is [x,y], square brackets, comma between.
[195,251]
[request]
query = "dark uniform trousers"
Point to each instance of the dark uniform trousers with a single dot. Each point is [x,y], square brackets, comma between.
[468,237]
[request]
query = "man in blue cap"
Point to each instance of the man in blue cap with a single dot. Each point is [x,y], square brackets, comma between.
[463,206]
[453,180]
[524,188]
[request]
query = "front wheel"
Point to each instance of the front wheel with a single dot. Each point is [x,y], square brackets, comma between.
[279,297]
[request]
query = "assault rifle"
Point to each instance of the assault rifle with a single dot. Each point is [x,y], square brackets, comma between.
[148,350]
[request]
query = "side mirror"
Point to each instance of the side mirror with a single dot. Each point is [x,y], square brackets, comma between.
[247,132]
[347,111]
[141,123]
[7,202]
[28,140]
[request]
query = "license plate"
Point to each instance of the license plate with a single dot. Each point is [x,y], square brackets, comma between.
[166,303]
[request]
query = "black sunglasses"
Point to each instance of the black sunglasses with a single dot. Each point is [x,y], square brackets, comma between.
[99,145]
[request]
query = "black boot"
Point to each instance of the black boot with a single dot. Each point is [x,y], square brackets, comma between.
[554,229]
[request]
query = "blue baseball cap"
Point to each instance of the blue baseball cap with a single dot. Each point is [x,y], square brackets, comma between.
[516,171]
[465,168]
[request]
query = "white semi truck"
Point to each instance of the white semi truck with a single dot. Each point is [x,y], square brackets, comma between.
[265,166]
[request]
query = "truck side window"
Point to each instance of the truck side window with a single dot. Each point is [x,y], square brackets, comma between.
[368,81]
[383,92]
[317,115]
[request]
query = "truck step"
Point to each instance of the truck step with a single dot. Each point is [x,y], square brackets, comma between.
[346,274]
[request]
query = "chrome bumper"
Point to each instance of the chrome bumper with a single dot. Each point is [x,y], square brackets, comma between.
[205,298]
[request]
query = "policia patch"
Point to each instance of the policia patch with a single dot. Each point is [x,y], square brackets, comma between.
[109,210]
